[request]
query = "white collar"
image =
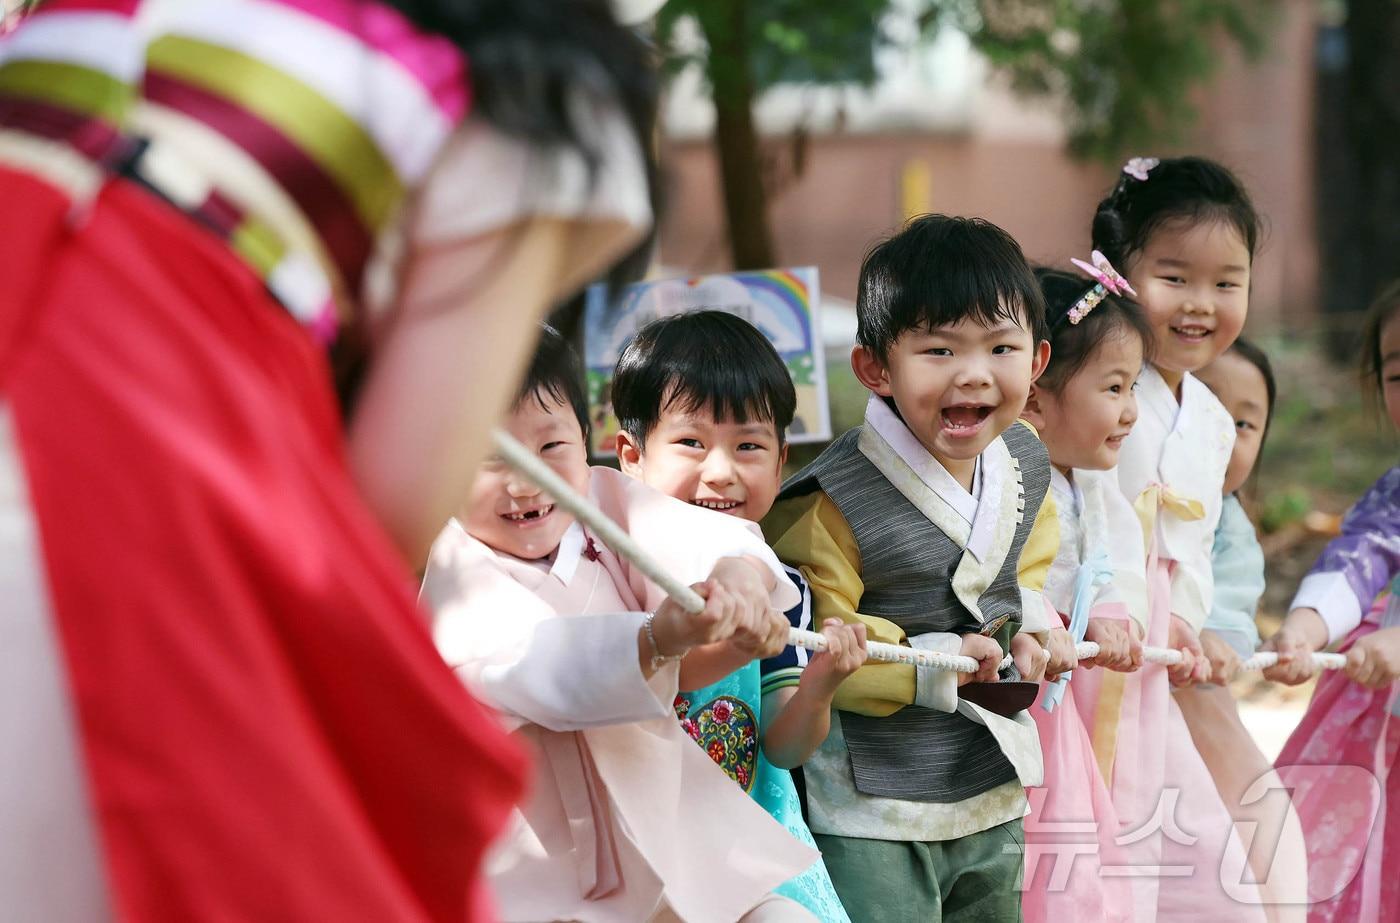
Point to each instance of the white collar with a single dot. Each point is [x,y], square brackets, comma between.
[566,558]
[1064,485]
[929,471]
[1175,413]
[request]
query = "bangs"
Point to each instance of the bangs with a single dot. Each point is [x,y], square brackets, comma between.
[703,362]
[731,399]
[939,272]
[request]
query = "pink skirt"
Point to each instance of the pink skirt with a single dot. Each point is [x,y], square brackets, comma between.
[1073,866]
[1338,763]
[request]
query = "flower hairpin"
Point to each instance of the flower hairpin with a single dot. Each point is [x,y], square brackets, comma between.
[1106,280]
[1139,167]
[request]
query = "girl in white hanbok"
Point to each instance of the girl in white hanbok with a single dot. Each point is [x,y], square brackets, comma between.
[1184,233]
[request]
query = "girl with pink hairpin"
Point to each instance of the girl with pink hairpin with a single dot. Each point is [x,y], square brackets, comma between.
[1184,233]
[1084,405]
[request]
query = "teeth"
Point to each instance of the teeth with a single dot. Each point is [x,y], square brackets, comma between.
[528,515]
[965,416]
[716,504]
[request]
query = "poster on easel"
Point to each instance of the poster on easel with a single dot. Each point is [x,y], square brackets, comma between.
[781,303]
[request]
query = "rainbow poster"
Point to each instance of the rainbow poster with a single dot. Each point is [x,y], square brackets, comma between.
[781,303]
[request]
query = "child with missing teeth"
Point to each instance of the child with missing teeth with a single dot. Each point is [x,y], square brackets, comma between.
[704,403]
[930,525]
[583,657]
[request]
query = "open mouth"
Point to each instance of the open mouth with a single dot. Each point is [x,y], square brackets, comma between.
[721,505]
[965,419]
[1192,333]
[527,517]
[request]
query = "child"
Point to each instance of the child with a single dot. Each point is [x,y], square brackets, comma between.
[1183,231]
[704,402]
[914,524]
[1084,406]
[581,653]
[1340,759]
[1243,381]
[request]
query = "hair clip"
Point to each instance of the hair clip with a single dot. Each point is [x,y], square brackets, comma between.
[1139,167]
[1103,271]
[1106,279]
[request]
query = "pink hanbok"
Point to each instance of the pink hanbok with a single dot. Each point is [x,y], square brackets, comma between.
[1073,864]
[1179,839]
[1340,760]
[628,820]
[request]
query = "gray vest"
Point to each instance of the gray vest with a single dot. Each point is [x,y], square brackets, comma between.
[907,566]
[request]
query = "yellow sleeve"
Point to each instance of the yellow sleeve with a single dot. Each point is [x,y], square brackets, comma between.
[1042,544]
[1037,554]
[809,533]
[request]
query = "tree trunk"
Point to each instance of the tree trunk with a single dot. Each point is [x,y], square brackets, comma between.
[736,135]
[1358,165]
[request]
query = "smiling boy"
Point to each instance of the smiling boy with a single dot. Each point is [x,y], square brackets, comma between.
[704,402]
[930,525]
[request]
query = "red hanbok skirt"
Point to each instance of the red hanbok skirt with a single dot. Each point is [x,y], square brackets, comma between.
[218,682]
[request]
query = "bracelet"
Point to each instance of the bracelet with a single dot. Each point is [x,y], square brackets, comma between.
[658,659]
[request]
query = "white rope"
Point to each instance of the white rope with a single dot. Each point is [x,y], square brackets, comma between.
[623,545]
[1262,660]
[1321,660]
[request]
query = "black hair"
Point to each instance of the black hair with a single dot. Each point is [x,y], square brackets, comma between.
[555,374]
[1176,189]
[1073,345]
[701,360]
[939,271]
[528,58]
[1380,313]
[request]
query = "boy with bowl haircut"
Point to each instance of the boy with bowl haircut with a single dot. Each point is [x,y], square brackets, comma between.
[704,402]
[930,525]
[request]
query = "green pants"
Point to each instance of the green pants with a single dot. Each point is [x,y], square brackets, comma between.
[974,879]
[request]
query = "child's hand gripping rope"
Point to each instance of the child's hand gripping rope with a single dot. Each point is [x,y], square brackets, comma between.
[623,545]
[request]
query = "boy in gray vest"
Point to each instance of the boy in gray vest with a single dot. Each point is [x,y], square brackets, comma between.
[930,524]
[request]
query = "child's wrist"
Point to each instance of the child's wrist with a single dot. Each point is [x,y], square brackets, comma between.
[662,644]
[819,683]
[1305,626]
[812,696]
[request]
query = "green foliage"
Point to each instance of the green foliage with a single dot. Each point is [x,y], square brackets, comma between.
[788,41]
[1283,507]
[1327,442]
[1123,67]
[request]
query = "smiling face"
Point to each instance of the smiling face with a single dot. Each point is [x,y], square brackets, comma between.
[507,511]
[1084,423]
[1192,280]
[1241,388]
[956,387]
[733,468]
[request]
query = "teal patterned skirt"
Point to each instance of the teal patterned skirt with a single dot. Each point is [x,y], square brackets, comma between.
[724,719]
